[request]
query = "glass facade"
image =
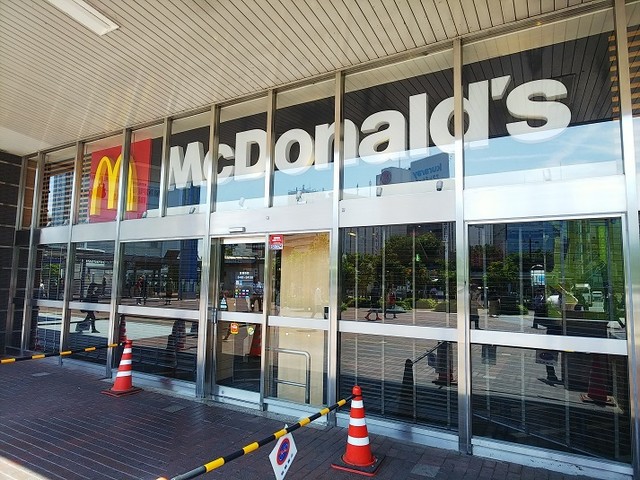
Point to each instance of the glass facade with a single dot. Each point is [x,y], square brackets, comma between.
[465,272]
[562,277]
[162,273]
[100,180]
[242,154]
[93,272]
[402,378]
[540,105]
[187,181]
[144,183]
[57,185]
[402,274]
[585,410]
[396,120]
[50,272]
[303,151]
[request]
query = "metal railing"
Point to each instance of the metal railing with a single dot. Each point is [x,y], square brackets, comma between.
[307,384]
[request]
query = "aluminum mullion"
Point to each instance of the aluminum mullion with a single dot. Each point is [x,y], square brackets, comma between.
[205,335]
[632,231]
[270,149]
[164,168]
[462,246]
[70,260]
[334,244]
[116,284]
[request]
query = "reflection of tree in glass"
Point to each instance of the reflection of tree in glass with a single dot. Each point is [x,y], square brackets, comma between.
[404,254]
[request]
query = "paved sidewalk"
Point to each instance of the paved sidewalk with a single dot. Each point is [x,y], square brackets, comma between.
[56,425]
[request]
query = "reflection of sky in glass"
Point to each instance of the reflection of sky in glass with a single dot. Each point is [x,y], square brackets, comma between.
[580,144]
[232,191]
[311,180]
[305,117]
[236,188]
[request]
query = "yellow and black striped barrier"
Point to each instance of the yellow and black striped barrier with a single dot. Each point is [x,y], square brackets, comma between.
[218,462]
[56,354]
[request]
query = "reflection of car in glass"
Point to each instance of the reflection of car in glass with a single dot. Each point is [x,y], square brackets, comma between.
[569,300]
[597,301]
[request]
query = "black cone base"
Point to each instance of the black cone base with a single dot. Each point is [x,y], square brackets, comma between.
[369,471]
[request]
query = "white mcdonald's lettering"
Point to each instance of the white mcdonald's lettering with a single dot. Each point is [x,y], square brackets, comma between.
[107,178]
[384,133]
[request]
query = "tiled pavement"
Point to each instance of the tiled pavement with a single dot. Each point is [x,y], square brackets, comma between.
[56,425]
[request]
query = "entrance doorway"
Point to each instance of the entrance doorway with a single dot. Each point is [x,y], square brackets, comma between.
[240,319]
[272,290]
[298,318]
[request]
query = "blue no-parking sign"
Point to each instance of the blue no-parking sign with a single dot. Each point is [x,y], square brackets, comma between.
[282,455]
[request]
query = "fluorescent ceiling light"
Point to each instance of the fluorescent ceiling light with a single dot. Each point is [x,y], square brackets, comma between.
[85,14]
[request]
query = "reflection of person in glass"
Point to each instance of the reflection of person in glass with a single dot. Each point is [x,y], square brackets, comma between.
[375,303]
[318,304]
[474,303]
[553,323]
[257,292]
[176,341]
[90,318]
[539,309]
[168,291]
[391,302]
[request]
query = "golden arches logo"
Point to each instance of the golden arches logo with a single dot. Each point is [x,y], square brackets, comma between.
[109,171]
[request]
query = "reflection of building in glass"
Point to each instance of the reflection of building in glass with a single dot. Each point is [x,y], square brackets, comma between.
[60,198]
[433,167]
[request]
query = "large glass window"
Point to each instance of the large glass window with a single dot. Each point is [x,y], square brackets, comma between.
[57,186]
[163,346]
[93,272]
[144,181]
[541,104]
[397,128]
[101,178]
[242,155]
[581,407]
[50,271]
[162,274]
[563,277]
[46,328]
[402,378]
[303,153]
[187,183]
[400,274]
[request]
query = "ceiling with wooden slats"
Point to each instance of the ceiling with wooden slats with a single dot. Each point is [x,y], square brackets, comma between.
[60,82]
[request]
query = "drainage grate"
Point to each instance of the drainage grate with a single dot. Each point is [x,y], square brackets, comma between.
[174,408]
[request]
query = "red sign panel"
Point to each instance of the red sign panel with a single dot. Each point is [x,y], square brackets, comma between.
[276,242]
[105,178]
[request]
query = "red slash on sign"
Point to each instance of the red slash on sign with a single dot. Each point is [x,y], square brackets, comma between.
[282,455]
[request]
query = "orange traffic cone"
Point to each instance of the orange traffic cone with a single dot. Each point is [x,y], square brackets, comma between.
[256,343]
[358,457]
[444,365]
[123,385]
[123,329]
[597,392]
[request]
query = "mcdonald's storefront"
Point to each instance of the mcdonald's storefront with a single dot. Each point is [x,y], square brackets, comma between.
[456,232]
